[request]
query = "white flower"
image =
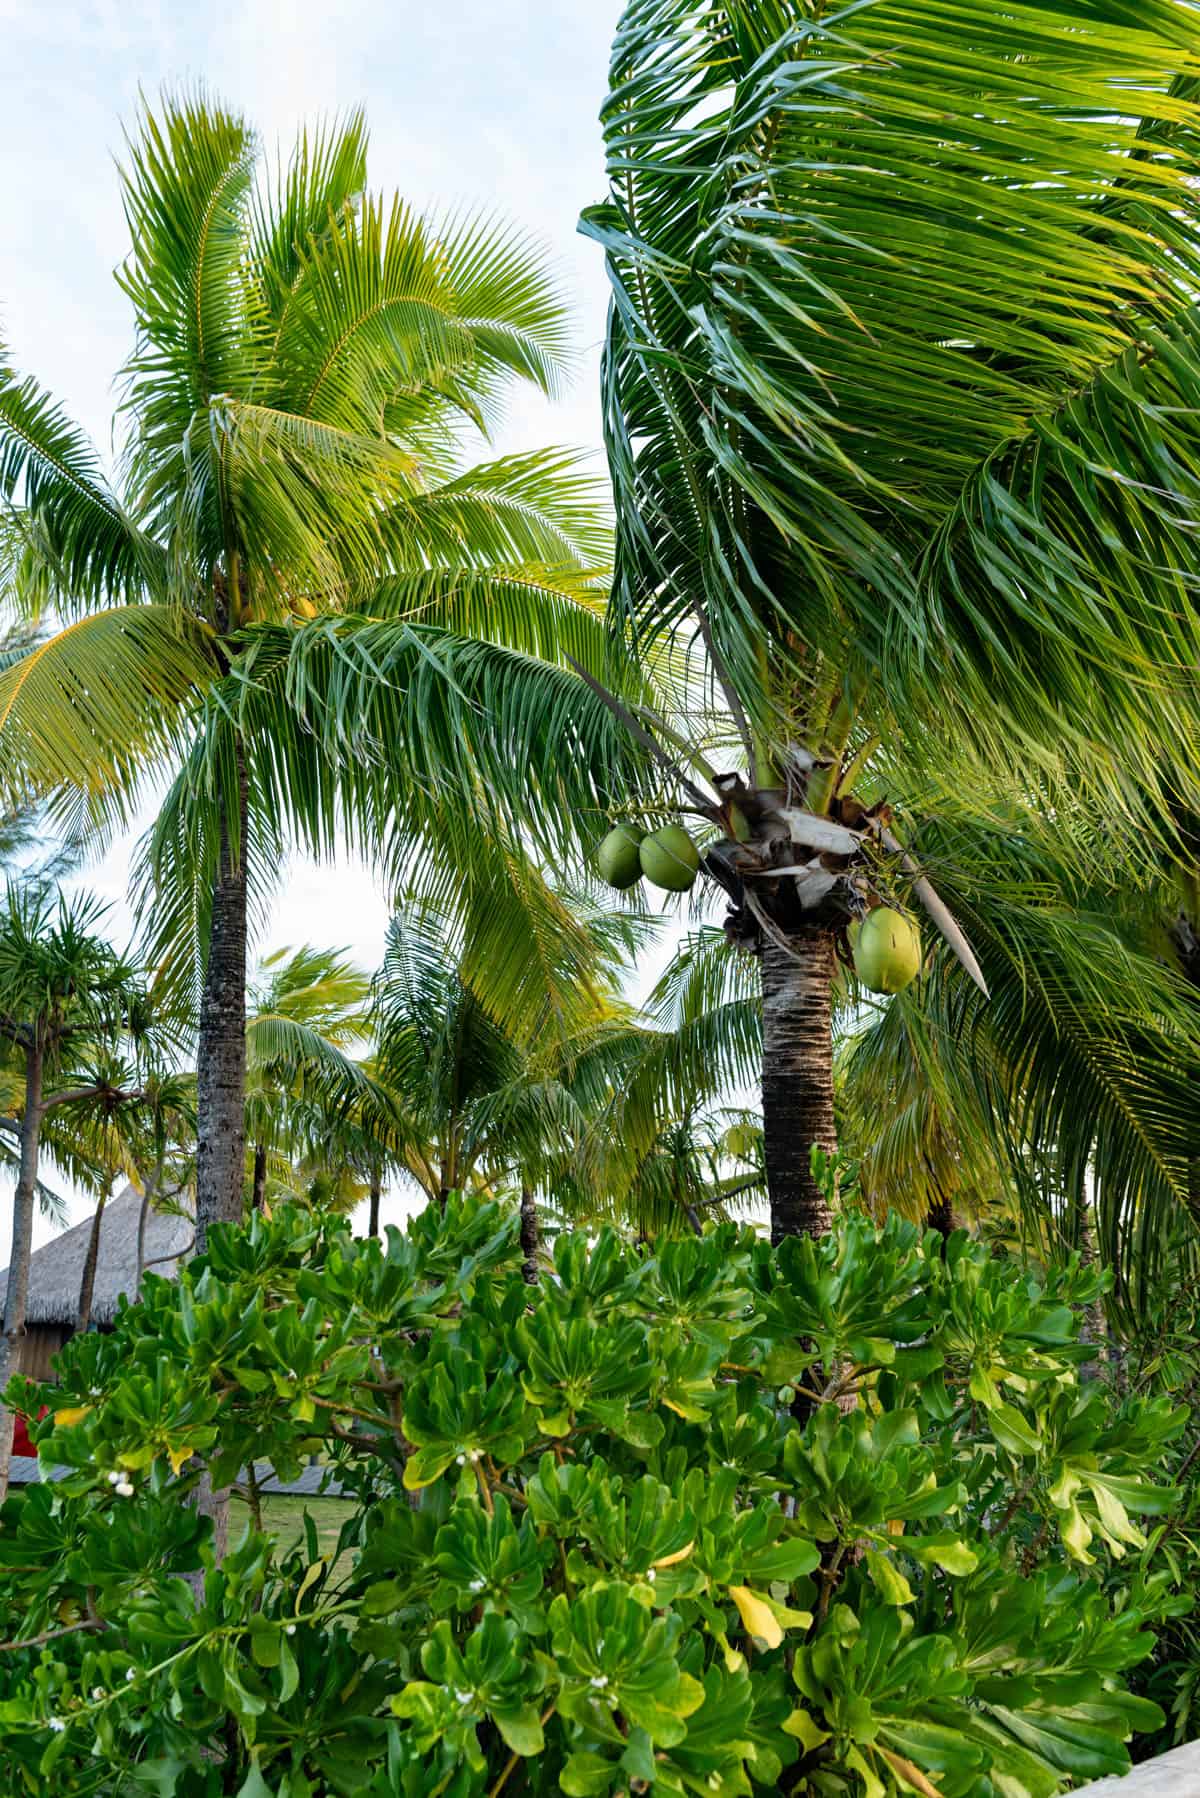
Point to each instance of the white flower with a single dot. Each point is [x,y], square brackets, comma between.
[130,1674]
[464,1697]
[124,1489]
[651,1575]
[56,1724]
[95,1392]
[460,1460]
[599,1681]
[476,1585]
[97,1692]
[114,1478]
[476,1455]
[289,1629]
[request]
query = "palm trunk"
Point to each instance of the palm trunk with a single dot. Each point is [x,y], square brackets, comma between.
[260,1176]
[152,1186]
[221,1048]
[797,1080]
[1093,1328]
[376,1195]
[87,1283]
[940,1215]
[16,1298]
[530,1236]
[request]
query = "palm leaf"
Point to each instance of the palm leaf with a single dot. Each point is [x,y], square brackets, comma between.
[903,360]
[98,706]
[70,542]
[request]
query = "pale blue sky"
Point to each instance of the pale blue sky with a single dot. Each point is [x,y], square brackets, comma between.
[489,102]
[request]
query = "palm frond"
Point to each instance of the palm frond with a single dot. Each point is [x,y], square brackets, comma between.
[187,181]
[1084,1062]
[68,540]
[326,173]
[903,361]
[97,706]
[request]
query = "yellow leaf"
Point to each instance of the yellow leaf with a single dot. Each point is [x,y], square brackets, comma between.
[681,1554]
[177,1456]
[758,1617]
[72,1414]
[895,1526]
[806,1730]
[912,1774]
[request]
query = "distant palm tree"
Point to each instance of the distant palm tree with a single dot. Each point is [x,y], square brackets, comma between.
[306,1014]
[900,387]
[64,994]
[303,608]
[512,1103]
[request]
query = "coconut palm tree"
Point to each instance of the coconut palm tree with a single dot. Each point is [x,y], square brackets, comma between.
[302,607]
[902,364]
[64,991]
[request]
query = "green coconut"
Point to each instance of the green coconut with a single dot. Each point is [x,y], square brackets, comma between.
[887,950]
[670,859]
[617,857]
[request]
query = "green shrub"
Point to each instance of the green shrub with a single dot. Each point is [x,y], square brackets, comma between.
[616,1533]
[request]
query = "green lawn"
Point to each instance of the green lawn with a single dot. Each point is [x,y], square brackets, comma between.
[285,1518]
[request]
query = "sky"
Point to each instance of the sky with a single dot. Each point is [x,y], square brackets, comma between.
[488,103]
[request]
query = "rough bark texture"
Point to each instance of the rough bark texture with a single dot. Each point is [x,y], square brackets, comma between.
[221,1049]
[87,1283]
[376,1195]
[940,1215]
[797,1082]
[16,1297]
[530,1236]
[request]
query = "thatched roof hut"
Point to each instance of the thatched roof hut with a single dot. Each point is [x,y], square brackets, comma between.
[56,1269]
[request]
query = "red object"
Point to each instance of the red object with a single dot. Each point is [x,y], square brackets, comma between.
[21,1443]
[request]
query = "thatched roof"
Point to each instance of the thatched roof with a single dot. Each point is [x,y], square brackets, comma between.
[56,1269]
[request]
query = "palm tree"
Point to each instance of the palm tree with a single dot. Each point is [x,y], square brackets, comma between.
[302,607]
[63,991]
[307,1011]
[517,1103]
[902,362]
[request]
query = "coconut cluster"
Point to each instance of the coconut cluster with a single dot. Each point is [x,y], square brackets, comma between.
[667,858]
[885,943]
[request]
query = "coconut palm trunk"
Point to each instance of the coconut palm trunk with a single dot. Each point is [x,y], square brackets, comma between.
[530,1236]
[259,1193]
[797,1079]
[376,1195]
[152,1186]
[87,1282]
[16,1298]
[221,1049]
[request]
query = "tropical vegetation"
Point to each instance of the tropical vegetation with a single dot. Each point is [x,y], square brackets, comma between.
[613,1534]
[786,1381]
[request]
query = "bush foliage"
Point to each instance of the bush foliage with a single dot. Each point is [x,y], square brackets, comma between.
[613,1533]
